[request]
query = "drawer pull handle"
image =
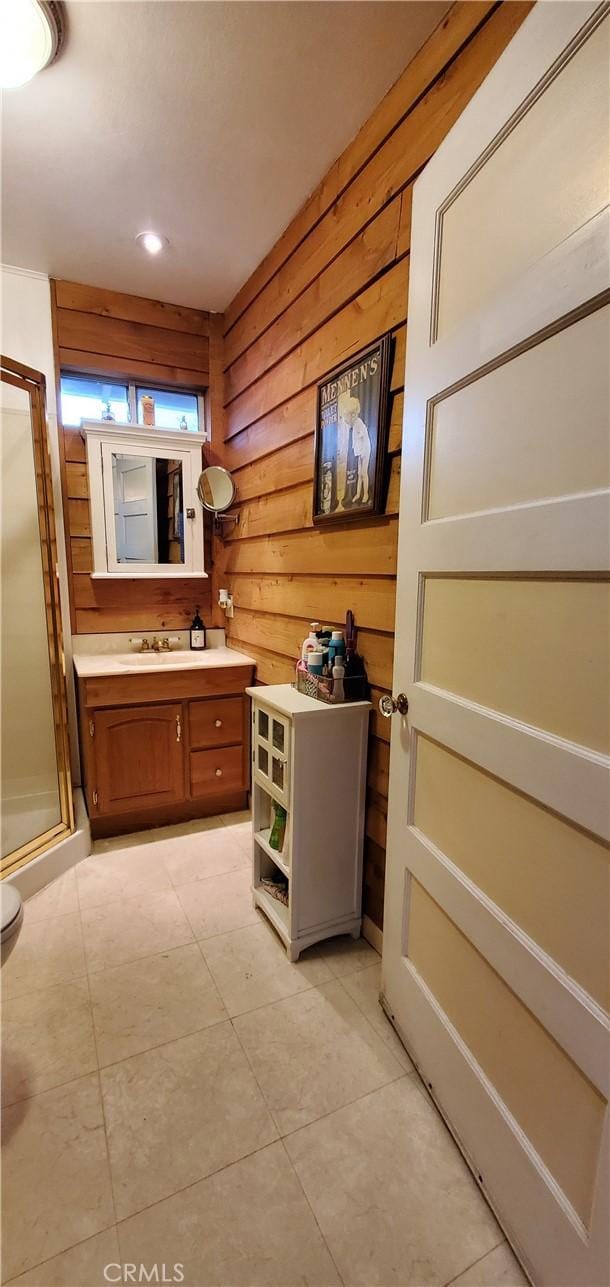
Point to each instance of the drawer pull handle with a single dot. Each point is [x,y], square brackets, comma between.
[219,773]
[178,729]
[218,723]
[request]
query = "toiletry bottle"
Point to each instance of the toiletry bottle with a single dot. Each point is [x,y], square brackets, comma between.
[338,676]
[197,633]
[336,648]
[312,642]
[315,661]
[278,830]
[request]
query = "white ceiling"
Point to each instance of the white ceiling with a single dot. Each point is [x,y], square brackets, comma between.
[210,122]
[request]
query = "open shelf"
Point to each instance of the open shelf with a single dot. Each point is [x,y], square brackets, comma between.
[278,913]
[280,859]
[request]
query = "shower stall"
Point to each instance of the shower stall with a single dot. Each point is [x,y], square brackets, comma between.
[35,784]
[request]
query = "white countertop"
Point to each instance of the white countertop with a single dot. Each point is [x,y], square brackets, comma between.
[289,701]
[91,665]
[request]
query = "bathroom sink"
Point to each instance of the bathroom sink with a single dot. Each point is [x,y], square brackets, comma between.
[175,658]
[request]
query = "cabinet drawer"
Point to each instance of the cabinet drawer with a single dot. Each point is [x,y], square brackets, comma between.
[216,721]
[216,771]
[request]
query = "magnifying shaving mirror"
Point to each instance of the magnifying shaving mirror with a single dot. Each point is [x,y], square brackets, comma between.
[216,491]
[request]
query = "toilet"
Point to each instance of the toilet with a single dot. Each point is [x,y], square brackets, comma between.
[11,917]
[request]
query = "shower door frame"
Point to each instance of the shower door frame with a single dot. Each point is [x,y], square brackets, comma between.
[33,383]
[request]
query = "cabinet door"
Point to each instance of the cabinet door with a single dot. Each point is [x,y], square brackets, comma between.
[139,758]
[271,741]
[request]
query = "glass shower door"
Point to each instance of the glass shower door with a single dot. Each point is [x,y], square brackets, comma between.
[35,787]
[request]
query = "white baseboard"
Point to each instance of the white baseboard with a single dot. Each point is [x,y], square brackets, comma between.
[372,934]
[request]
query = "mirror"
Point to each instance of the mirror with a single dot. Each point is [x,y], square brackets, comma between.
[148,504]
[216,489]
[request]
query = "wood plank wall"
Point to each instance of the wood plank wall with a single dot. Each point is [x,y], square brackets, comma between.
[335,281]
[102,332]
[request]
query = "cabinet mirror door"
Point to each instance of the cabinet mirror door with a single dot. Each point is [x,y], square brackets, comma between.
[148,504]
[145,518]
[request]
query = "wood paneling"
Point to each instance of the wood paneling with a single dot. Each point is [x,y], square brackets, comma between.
[383,304]
[111,336]
[127,337]
[335,282]
[131,308]
[360,262]
[88,363]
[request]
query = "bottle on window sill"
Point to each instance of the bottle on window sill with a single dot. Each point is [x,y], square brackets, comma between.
[197,633]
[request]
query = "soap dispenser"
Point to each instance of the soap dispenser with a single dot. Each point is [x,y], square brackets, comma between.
[197,633]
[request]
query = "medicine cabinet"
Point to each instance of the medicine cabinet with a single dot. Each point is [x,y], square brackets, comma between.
[146,520]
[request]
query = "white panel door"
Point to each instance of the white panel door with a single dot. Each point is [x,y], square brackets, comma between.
[135,499]
[496,943]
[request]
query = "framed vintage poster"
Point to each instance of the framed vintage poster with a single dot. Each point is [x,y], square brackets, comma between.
[351,437]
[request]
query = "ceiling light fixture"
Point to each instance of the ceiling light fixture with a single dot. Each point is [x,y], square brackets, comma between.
[152,242]
[31,36]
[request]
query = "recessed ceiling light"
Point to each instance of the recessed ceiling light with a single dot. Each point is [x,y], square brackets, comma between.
[152,242]
[31,34]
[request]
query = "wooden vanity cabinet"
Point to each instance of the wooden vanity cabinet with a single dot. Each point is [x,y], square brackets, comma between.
[159,748]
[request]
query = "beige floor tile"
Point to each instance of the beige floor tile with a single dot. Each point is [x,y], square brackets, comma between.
[47,1039]
[145,1003]
[56,1183]
[406,1210]
[47,952]
[81,1266]
[364,987]
[220,904]
[499,1268]
[242,817]
[345,954]
[177,1113]
[57,899]
[124,873]
[132,928]
[155,835]
[206,853]
[312,1053]
[241,832]
[247,1226]
[251,969]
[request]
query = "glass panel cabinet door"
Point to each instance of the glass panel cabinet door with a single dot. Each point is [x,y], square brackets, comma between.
[271,740]
[279,735]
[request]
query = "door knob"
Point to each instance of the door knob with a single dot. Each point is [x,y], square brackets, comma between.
[389,705]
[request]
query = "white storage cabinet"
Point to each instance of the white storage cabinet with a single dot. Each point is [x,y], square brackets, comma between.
[311,758]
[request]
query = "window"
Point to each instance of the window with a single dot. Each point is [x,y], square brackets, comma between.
[89,398]
[172,410]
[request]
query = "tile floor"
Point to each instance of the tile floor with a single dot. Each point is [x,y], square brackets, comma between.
[177,1093]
